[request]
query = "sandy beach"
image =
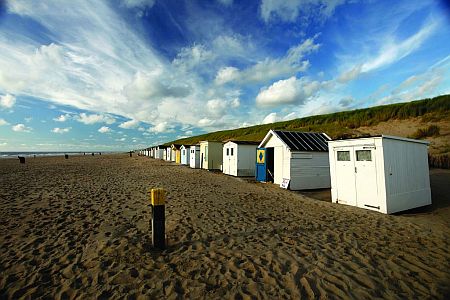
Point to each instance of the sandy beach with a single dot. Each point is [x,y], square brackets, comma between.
[79,228]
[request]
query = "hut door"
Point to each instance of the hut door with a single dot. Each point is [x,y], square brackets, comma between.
[261,165]
[345,176]
[366,178]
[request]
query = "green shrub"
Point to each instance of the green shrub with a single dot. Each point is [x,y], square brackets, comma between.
[432,130]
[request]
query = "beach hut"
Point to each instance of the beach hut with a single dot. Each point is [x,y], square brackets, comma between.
[194,156]
[239,158]
[176,153]
[295,160]
[211,155]
[383,173]
[185,152]
[168,154]
[159,152]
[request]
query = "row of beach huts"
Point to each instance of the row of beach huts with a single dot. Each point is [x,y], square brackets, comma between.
[383,173]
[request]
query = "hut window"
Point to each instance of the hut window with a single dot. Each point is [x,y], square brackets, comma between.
[343,155]
[363,155]
[184,152]
[232,151]
[228,151]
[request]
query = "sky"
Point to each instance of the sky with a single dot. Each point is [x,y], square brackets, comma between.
[127,74]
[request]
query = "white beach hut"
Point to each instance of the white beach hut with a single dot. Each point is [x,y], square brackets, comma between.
[185,154]
[384,173]
[239,158]
[211,155]
[299,160]
[168,154]
[194,156]
[159,152]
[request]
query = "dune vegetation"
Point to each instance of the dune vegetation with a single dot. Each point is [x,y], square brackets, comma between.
[343,124]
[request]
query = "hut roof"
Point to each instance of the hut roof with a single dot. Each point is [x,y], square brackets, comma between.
[301,141]
[244,142]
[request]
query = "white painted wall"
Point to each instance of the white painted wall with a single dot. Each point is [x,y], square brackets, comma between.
[243,160]
[194,157]
[168,154]
[281,159]
[399,179]
[309,170]
[185,155]
[212,155]
[407,175]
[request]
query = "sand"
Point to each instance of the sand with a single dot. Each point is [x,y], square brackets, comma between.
[79,228]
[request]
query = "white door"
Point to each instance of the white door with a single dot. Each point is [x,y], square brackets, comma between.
[232,162]
[278,165]
[345,176]
[366,178]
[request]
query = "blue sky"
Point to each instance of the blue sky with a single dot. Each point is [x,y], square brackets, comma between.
[125,74]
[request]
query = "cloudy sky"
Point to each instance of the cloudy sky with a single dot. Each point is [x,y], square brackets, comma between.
[123,74]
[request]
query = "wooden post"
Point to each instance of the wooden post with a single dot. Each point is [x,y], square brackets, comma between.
[66,156]
[158,199]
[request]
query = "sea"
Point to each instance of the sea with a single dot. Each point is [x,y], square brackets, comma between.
[42,154]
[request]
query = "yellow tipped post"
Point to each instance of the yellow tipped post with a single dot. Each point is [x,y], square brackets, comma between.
[158,196]
[158,199]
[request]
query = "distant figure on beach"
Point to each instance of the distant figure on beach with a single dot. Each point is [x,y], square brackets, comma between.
[92,153]
[21,159]
[66,156]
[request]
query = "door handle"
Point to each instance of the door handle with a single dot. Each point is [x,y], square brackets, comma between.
[356,171]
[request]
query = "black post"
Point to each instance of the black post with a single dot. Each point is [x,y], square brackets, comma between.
[158,219]
[66,156]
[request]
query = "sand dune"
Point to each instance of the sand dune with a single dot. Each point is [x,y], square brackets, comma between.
[79,228]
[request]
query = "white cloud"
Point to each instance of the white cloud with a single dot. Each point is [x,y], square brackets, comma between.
[205,122]
[62,118]
[95,118]
[391,51]
[271,118]
[139,3]
[269,68]
[61,130]
[120,140]
[227,74]
[350,75]
[226,2]
[104,129]
[3,122]
[290,10]
[288,91]
[7,101]
[161,127]
[394,50]
[290,116]
[235,103]
[28,119]
[21,128]
[129,124]
[275,117]
[190,57]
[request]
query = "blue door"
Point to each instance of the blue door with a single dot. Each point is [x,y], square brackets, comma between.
[261,165]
